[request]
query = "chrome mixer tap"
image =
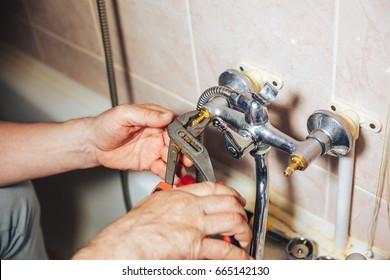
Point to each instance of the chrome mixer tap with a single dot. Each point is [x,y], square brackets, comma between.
[238,108]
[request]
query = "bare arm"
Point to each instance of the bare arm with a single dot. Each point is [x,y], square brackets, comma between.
[29,151]
[126,137]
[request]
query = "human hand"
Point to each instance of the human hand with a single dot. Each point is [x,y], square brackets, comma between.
[134,137]
[177,224]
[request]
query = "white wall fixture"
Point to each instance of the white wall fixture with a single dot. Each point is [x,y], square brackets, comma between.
[366,121]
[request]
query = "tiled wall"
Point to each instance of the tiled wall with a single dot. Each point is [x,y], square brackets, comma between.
[175,49]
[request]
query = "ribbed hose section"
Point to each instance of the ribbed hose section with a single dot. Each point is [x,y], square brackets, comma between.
[217,91]
[211,93]
[101,5]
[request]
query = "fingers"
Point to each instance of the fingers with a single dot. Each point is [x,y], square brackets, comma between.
[213,249]
[224,211]
[164,153]
[223,204]
[158,167]
[210,188]
[229,224]
[186,161]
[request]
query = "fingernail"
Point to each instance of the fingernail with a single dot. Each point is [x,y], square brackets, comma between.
[165,115]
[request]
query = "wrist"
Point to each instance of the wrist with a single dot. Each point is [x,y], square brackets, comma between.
[83,147]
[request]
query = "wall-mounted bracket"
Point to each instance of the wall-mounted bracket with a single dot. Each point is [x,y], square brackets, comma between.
[366,121]
[260,75]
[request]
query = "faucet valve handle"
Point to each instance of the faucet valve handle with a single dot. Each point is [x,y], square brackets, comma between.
[238,144]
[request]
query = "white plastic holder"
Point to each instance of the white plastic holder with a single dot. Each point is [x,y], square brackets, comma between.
[365,120]
[260,75]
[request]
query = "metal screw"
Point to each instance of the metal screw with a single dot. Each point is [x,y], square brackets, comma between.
[232,152]
[216,122]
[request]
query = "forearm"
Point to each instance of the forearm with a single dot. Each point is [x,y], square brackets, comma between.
[29,151]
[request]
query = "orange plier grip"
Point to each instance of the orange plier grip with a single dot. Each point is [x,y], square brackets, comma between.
[162,186]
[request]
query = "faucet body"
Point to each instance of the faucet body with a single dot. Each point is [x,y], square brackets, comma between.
[240,113]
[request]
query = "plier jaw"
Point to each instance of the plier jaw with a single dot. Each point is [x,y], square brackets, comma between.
[183,132]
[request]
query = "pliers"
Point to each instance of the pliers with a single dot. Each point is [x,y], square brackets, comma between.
[183,132]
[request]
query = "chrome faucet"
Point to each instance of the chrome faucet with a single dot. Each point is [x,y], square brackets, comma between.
[238,109]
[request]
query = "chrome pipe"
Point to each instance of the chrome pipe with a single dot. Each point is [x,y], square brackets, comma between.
[261,206]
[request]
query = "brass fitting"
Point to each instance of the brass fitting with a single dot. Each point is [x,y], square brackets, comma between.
[296,162]
[203,114]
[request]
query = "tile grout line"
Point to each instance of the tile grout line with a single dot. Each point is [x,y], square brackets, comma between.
[56,36]
[37,42]
[332,95]
[17,59]
[66,42]
[117,67]
[97,27]
[148,82]
[193,51]
[335,46]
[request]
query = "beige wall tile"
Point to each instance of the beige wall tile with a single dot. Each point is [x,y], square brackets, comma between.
[292,39]
[363,76]
[362,210]
[157,43]
[70,19]
[363,70]
[75,64]
[307,189]
[18,34]
[369,149]
[145,92]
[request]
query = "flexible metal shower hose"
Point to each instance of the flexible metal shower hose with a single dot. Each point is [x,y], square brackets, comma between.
[101,5]
[206,96]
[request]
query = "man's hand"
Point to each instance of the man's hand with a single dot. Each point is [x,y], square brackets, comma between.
[133,137]
[125,137]
[177,224]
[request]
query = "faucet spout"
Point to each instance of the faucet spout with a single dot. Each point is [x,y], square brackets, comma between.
[261,206]
[269,135]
